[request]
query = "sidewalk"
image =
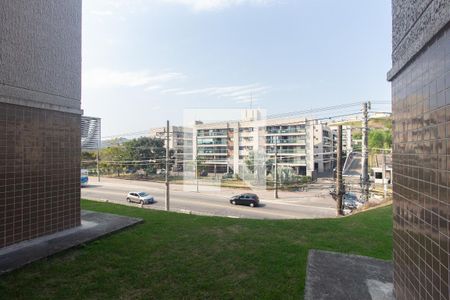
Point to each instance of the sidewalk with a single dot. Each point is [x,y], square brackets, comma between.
[338,276]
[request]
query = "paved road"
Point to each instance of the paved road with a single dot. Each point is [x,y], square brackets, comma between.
[355,167]
[212,201]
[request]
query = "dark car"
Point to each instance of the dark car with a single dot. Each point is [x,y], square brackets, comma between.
[251,200]
[228,176]
[350,201]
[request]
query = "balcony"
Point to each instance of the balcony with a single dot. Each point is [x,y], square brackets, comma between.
[212,141]
[212,152]
[292,161]
[213,145]
[286,151]
[212,133]
[287,141]
[286,131]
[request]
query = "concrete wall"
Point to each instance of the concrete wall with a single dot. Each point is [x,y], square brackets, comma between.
[421,148]
[40,54]
[40,93]
[414,24]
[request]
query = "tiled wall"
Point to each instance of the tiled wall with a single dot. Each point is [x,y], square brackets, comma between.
[421,166]
[39,172]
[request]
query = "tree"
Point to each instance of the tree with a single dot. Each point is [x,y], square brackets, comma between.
[388,139]
[250,162]
[147,149]
[142,153]
[254,161]
[357,135]
[269,165]
[381,139]
[286,175]
[201,166]
[258,164]
[112,158]
[88,159]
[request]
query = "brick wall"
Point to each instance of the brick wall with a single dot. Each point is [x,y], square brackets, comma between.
[421,172]
[39,172]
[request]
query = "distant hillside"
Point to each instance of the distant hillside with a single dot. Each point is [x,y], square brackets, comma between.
[112,142]
[383,123]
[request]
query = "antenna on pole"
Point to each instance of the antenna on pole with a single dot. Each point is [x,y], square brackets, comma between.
[251,99]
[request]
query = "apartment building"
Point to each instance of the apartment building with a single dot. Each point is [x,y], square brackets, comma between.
[347,141]
[180,142]
[323,142]
[303,145]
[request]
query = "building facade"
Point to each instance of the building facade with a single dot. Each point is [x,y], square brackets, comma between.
[180,142]
[420,77]
[322,140]
[40,93]
[347,139]
[303,145]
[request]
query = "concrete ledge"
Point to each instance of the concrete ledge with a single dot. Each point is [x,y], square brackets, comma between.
[338,276]
[36,99]
[434,18]
[93,226]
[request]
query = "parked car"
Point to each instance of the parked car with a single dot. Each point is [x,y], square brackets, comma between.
[350,201]
[251,200]
[203,173]
[228,176]
[140,197]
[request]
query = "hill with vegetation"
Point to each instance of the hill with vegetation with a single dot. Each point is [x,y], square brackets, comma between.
[380,131]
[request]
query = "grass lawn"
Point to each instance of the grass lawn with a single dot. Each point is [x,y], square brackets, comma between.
[177,256]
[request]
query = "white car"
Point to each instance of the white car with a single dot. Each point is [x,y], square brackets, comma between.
[140,197]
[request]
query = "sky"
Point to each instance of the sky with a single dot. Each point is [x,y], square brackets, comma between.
[147,61]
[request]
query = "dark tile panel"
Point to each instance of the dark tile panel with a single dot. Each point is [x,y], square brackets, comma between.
[39,172]
[421,170]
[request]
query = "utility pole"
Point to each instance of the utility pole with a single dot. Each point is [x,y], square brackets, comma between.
[99,141]
[276,167]
[98,161]
[365,152]
[339,185]
[384,175]
[167,167]
[196,163]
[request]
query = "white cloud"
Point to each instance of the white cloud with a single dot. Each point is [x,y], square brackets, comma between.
[171,91]
[104,78]
[209,5]
[164,83]
[239,93]
[153,87]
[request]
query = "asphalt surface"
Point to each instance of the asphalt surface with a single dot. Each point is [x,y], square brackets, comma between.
[355,167]
[214,201]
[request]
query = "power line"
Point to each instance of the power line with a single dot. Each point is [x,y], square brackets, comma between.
[273,116]
[283,115]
